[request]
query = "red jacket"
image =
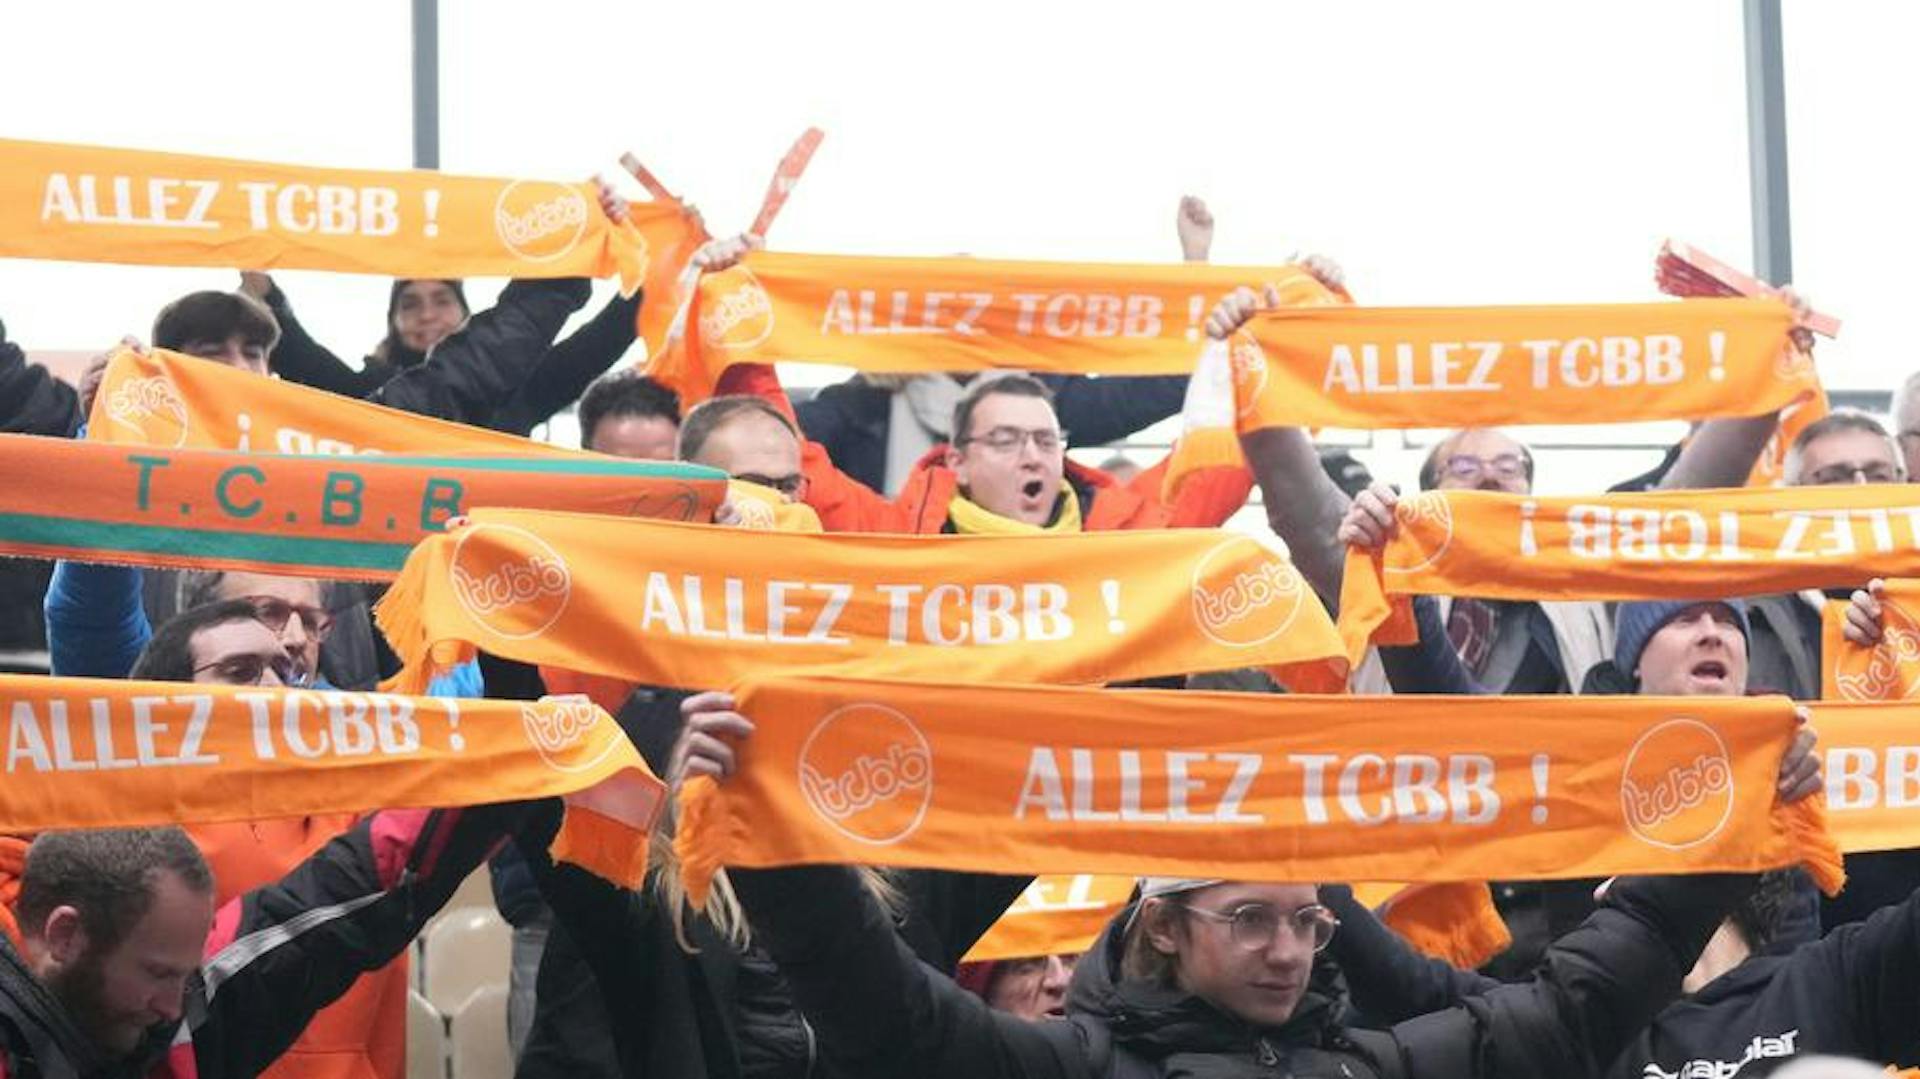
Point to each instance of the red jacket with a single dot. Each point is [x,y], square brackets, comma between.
[845,504]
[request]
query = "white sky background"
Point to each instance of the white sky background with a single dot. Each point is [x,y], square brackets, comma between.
[1467,152]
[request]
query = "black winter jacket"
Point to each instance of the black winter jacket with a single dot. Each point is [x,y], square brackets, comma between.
[281,953]
[32,402]
[1854,993]
[507,374]
[714,1012]
[852,418]
[880,1012]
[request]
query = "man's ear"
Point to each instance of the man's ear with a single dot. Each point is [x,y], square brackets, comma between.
[65,937]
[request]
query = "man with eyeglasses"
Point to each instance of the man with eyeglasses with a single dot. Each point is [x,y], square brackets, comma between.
[1845,447]
[1004,471]
[223,643]
[1508,647]
[96,626]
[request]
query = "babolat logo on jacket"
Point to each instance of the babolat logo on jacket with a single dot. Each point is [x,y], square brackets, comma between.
[1760,1048]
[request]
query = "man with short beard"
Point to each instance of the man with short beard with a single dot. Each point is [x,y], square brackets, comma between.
[116,960]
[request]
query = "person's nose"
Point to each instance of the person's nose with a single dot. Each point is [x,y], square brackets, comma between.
[1058,973]
[294,635]
[1289,949]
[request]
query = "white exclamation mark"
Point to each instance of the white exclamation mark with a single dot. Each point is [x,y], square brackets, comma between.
[1195,305]
[433,211]
[245,422]
[1528,545]
[1539,788]
[455,741]
[1110,592]
[1717,344]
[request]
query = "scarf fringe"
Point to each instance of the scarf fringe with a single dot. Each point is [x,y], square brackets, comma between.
[1806,822]
[602,846]
[398,616]
[704,838]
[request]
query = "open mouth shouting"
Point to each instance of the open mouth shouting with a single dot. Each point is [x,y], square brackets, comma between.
[1710,675]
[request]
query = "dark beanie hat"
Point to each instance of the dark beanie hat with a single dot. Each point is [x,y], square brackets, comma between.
[1634,624]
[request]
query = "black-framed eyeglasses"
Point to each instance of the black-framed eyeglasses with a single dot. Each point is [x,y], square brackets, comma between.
[275,613]
[1254,926]
[250,669]
[793,486]
[1010,439]
[1855,472]
[1469,469]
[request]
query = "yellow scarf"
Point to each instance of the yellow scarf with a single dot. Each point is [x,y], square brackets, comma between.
[971,519]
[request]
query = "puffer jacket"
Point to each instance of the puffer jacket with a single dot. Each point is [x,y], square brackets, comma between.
[879,1012]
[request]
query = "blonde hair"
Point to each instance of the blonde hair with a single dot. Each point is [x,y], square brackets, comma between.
[722,909]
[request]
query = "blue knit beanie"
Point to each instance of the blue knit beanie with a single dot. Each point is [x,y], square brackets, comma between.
[1634,624]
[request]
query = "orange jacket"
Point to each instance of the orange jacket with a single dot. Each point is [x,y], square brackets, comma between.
[845,504]
[363,1035]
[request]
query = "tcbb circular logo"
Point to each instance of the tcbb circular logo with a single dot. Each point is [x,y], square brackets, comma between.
[509,580]
[1890,670]
[739,314]
[561,730]
[1244,594]
[1426,529]
[152,408]
[1677,789]
[539,220]
[868,772]
[1249,363]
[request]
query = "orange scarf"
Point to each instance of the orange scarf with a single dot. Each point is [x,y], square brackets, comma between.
[95,753]
[1060,915]
[695,606]
[1395,367]
[1659,545]
[1455,921]
[1220,786]
[947,314]
[95,204]
[1890,670]
[166,399]
[346,518]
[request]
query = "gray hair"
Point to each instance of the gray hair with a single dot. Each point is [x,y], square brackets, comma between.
[1840,419]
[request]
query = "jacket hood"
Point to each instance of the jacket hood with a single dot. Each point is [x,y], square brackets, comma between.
[1753,974]
[1155,1021]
